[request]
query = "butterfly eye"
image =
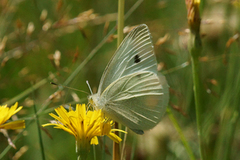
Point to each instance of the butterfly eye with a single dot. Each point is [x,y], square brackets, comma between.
[137,59]
[90,100]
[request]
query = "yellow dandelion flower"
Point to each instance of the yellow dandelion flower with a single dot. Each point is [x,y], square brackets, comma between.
[84,125]
[6,113]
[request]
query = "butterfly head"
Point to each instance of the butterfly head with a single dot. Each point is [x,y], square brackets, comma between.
[94,101]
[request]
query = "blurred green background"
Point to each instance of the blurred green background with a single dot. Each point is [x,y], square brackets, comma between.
[45,41]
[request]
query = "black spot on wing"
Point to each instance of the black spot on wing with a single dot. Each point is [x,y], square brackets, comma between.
[139,75]
[137,59]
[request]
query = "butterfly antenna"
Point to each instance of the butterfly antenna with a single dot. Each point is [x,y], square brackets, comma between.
[61,86]
[89,87]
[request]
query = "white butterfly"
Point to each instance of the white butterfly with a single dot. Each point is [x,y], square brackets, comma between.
[131,90]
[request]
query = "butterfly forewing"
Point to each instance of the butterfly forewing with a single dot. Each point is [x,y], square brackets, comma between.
[133,55]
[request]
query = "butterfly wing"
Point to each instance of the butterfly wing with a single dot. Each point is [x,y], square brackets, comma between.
[133,55]
[137,100]
[130,90]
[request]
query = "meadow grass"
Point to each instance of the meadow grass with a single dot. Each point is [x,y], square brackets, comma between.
[201,123]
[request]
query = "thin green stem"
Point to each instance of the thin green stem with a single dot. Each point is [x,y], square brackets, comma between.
[116,147]
[26,92]
[38,129]
[230,137]
[39,132]
[120,21]
[182,137]
[134,143]
[124,145]
[88,58]
[103,147]
[195,50]
[94,152]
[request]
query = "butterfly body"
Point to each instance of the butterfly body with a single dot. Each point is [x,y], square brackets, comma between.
[131,90]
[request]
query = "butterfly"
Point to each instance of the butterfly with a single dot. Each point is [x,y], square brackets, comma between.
[131,90]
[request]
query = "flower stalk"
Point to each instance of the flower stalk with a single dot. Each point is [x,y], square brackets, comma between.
[195,48]
[82,149]
[182,137]
[116,147]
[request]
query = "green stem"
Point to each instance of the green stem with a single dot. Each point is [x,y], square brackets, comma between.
[182,137]
[103,147]
[88,58]
[195,47]
[26,92]
[232,125]
[195,50]
[82,148]
[94,152]
[39,132]
[116,147]
[134,143]
[120,21]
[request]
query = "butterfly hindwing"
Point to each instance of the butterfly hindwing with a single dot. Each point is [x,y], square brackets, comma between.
[136,100]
